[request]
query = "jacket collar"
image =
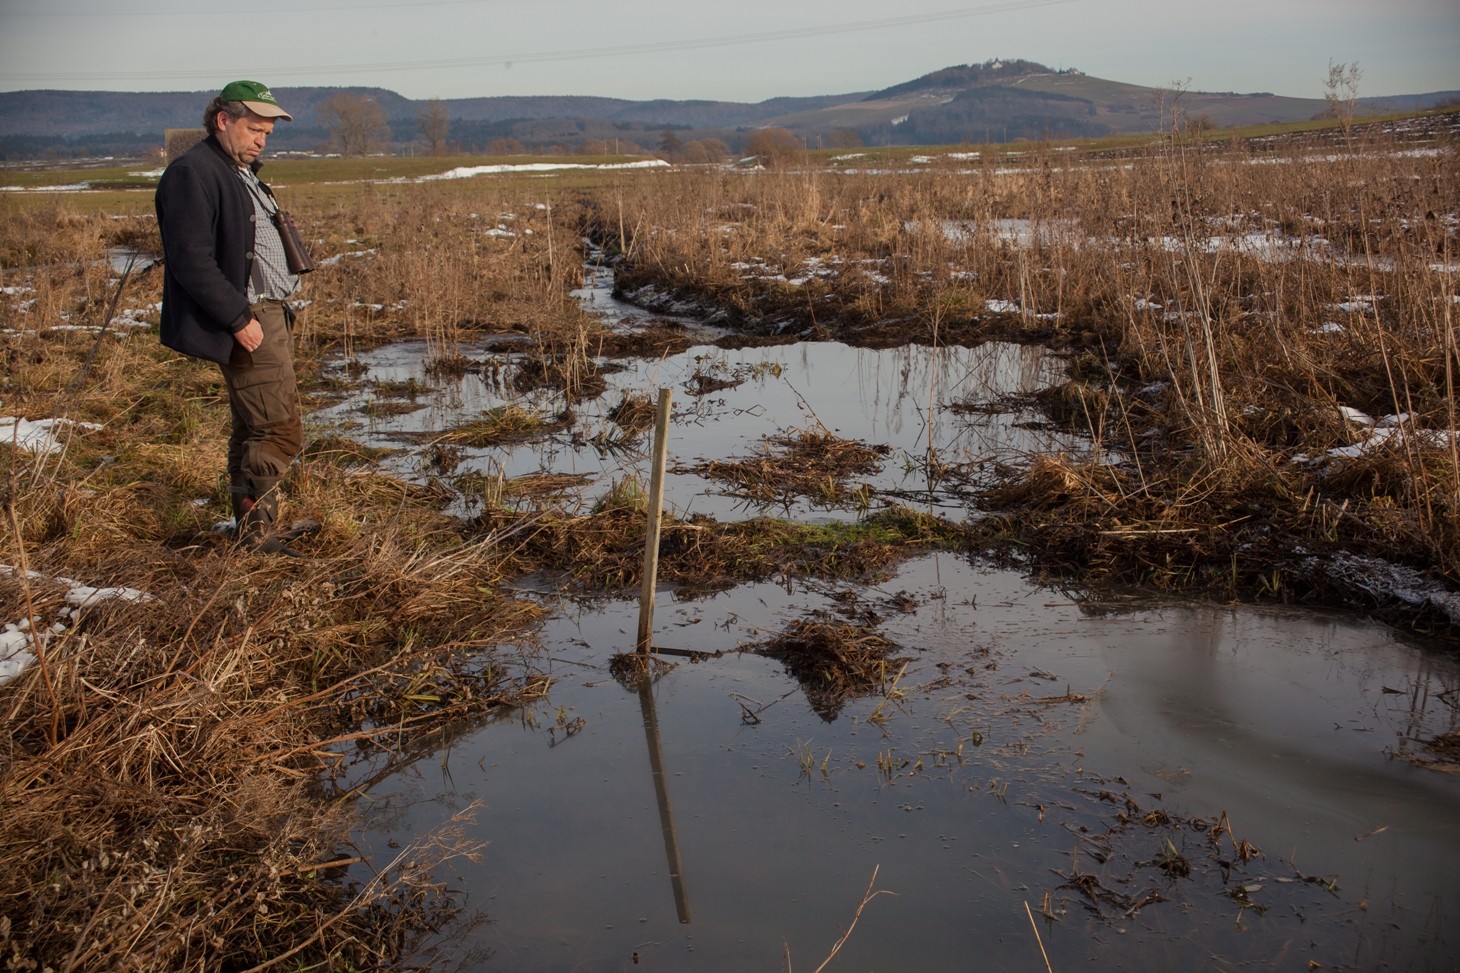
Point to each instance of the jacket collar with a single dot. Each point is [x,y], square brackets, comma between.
[212,142]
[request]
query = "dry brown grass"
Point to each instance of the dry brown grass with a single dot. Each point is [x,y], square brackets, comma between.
[1226,301]
[161,770]
[161,801]
[165,772]
[176,774]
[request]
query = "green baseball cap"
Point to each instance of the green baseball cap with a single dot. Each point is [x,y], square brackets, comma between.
[257,98]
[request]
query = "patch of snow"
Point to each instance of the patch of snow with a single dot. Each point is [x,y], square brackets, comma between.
[37,435]
[467,172]
[1354,415]
[1002,307]
[15,653]
[80,187]
[18,639]
[337,258]
[1391,430]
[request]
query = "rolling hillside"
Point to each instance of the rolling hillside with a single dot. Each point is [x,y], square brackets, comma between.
[997,101]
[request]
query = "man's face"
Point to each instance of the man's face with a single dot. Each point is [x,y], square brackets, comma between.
[243,138]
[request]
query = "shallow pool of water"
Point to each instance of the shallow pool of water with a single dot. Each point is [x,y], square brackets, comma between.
[898,398]
[1036,752]
[1116,783]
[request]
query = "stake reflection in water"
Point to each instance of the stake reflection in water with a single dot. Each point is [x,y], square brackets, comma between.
[661,792]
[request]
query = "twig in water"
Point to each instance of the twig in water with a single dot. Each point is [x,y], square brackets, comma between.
[867,896]
[1037,938]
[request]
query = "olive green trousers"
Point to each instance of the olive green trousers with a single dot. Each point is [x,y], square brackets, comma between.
[268,431]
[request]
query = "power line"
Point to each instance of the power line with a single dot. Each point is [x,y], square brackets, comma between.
[232,13]
[621,50]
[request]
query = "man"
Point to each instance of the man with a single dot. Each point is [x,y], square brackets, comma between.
[224,297]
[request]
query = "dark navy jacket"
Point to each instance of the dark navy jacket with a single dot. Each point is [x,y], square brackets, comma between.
[207,221]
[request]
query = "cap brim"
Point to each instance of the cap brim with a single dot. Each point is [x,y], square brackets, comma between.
[265,110]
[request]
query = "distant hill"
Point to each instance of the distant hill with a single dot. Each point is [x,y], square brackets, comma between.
[997,101]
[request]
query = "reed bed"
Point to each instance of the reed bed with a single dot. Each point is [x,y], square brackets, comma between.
[163,761]
[177,771]
[179,767]
[602,551]
[1265,333]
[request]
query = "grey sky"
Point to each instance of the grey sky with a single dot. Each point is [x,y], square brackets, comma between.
[744,51]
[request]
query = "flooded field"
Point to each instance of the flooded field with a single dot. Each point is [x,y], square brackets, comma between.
[1033,752]
[1058,570]
[1121,783]
[726,405]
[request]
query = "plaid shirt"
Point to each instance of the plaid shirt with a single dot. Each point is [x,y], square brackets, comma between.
[270,279]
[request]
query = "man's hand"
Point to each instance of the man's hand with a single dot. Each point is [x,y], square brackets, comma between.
[251,336]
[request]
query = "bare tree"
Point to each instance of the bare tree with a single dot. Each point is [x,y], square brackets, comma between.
[704,152]
[355,122]
[715,150]
[669,145]
[774,146]
[435,126]
[1342,94]
[506,146]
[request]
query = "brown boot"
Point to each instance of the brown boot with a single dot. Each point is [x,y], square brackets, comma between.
[255,529]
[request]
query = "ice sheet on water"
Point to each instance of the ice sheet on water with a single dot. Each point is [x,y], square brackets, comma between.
[1383,580]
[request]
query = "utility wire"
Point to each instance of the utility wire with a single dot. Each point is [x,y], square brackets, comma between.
[621,50]
[231,12]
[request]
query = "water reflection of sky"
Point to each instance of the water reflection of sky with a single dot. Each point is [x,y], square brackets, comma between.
[898,398]
[1286,722]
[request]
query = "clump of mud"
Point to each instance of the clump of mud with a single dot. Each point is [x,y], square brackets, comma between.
[631,670]
[810,463]
[833,661]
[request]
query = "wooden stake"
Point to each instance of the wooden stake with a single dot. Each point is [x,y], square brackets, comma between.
[656,519]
